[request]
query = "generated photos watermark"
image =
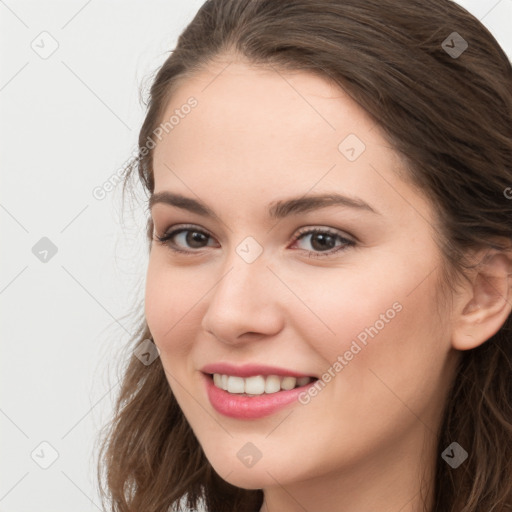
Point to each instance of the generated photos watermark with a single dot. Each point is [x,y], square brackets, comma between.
[101,191]
[343,360]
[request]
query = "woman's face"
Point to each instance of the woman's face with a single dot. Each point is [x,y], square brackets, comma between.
[354,305]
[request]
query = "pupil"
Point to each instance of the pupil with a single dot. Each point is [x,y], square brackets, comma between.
[322,241]
[322,238]
[194,237]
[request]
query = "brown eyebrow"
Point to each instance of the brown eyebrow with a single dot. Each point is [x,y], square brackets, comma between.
[277,209]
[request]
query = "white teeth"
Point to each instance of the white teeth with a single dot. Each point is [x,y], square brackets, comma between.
[258,384]
[255,385]
[236,384]
[302,381]
[288,383]
[272,384]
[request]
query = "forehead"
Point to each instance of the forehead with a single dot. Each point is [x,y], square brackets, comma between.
[263,131]
[259,104]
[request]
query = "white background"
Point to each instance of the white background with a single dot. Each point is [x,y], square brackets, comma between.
[68,123]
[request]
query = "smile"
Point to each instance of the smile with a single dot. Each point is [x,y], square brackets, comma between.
[258,384]
[235,402]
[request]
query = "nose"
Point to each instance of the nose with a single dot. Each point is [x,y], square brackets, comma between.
[244,305]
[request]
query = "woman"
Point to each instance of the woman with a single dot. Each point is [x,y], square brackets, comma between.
[327,310]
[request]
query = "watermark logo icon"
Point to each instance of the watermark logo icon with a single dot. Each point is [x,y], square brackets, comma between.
[249,454]
[455,45]
[351,147]
[249,249]
[45,45]
[454,455]
[44,250]
[146,352]
[44,455]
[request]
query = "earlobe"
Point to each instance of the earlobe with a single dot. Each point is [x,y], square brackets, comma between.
[485,304]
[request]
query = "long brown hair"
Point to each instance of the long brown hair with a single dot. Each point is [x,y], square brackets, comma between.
[449,116]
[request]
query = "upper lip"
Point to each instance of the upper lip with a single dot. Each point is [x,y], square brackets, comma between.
[250,370]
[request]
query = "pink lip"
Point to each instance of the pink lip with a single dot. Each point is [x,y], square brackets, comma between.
[249,370]
[250,407]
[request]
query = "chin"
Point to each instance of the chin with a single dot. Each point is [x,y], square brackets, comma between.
[246,480]
[243,477]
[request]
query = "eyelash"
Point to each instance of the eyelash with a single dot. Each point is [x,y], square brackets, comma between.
[166,240]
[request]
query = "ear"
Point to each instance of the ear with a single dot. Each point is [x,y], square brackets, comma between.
[485,302]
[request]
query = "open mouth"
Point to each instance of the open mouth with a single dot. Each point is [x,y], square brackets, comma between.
[258,384]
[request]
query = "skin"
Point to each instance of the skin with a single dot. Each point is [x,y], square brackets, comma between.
[366,441]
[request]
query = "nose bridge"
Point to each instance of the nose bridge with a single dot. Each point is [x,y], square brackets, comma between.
[243,278]
[243,298]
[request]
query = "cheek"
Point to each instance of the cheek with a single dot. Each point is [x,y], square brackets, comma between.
[381,320]
[398,371]
[169,304]
[397,374]
[346,305]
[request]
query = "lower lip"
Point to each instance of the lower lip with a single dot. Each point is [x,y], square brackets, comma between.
[250,407]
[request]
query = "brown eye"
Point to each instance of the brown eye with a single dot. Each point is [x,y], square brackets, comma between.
[194,239]
[189,240]
[182,239]
[323,242]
